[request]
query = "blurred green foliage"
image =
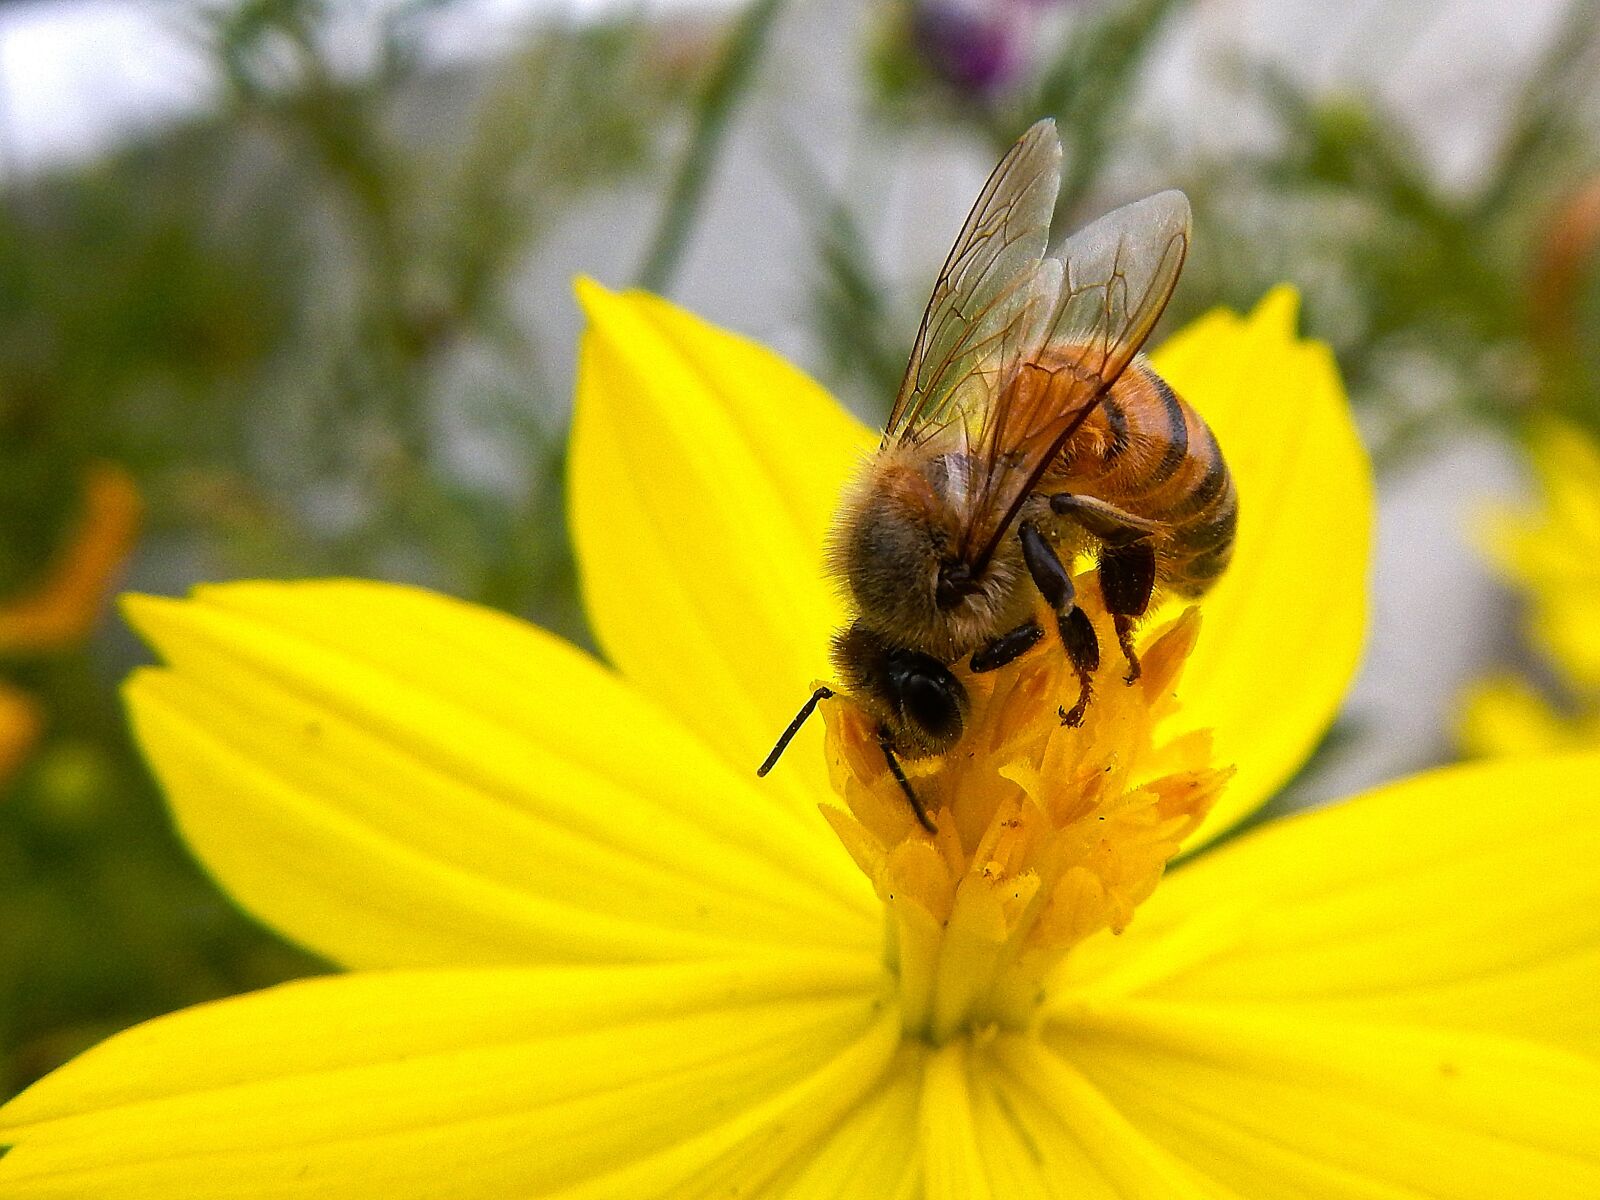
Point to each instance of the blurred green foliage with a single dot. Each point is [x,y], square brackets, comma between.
[282,316]
[276,306]
[1434,294]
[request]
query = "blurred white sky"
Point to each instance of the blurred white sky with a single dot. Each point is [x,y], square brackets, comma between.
[77,76]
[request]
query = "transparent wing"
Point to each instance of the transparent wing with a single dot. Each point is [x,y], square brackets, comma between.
[1111,282]
[987,310]
[1119,275]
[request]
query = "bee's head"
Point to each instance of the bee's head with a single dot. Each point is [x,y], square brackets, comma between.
[894,549]
[915,699]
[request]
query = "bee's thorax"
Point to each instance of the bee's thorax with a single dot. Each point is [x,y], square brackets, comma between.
[894,548]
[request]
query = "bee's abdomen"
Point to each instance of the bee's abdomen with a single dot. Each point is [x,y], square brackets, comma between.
[1146,451]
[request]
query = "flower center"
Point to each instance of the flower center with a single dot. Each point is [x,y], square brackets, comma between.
[1046,833]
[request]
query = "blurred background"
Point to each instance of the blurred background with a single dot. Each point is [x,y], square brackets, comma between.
[285,291]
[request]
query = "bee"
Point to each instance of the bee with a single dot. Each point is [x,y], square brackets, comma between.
[1027,431]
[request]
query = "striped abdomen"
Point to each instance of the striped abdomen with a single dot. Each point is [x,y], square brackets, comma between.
[1148,453]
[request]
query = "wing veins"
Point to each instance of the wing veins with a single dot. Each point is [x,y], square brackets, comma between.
[1000,306]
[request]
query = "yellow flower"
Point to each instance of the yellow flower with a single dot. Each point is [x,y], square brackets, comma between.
[595,957]
[1551,554]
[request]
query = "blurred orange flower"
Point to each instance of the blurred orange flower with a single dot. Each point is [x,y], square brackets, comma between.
[20,723]
[63,607]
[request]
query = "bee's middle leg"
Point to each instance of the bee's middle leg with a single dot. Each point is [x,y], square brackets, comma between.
[1054,582]
[1126,562]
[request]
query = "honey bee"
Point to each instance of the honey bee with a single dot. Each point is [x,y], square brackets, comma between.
[1026,432]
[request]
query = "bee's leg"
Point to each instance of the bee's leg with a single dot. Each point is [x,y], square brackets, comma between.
[1006,648]
[905,784]
[1083,651]
[1127,562]
[1054,582]
[1127,578]
[1104,521]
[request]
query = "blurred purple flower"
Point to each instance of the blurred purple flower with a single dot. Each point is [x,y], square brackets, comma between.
[980,46]
[972,47]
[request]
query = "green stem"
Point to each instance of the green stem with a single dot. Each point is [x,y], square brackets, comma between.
[729,80]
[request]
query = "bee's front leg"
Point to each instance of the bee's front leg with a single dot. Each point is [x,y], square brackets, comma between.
[1006,648]
[886,744]
[1054,582]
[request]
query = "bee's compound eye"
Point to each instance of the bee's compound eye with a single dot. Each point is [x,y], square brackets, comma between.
[932,701]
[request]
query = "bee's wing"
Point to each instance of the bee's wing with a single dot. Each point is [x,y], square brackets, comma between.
[1119,275]
[1110,283]
[986,312]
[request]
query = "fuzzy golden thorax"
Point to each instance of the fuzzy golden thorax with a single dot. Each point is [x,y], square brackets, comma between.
[895,541]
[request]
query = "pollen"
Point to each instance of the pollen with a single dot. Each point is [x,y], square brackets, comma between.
[1046,833]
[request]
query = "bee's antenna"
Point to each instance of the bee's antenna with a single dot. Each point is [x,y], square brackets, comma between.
[806,709]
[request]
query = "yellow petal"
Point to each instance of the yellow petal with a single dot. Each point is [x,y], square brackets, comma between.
[1076,1136]
[874,1151]
[491,1083]
[1284,627]
[1564,625]
[953,1161]
[1271,1102]
[1550,552]
[1505,715]
[1464,899]
[704,473]
[397,779]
